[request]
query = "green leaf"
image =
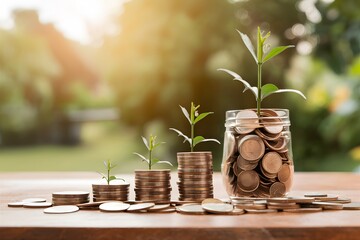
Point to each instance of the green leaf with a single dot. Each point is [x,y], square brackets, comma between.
[145,142]
[198,139]
[158,144]
[267,89]
[166,162]
[142,157]
[259,46]
[285,90]
[186,113]
[248,44]
[201,116]
[237,77]
[276,51]
[181,134]
[112,178]
[117,178]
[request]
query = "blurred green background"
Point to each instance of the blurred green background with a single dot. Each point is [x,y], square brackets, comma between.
[81,81]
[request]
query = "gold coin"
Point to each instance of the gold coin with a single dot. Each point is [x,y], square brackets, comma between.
[277,189]
[195,209]
[114,207]
[248,181]
[61,209]
[251,147]
[352,206]
[272,162]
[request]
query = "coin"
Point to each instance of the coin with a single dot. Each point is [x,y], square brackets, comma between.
[159,207]
[211,200]
[37,204]
[271,123]
[267,136]
[217,207]
[283,206]
[314,194]
[244,164]
[70,194]
[271,162]
[251,147]
[327,198]
[261,210]
[328,206]
[291,200]
[195,209]
[302,210]
[140,206]
[114,207]
[250,206]
[248,181]
[341,200]
[352,206]
[34,200]
[276,145]
[92,204]
[277,189]
[185,202]
[16,204]
[284,173]
[61,209]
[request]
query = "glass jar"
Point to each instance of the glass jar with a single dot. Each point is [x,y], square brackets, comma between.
[257,159]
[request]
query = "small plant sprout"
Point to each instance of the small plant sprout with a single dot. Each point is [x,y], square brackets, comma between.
[261,91]
[151,145]
[108,177]
[193,118]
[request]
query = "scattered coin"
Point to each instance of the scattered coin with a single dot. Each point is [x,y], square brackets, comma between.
[328,205]
[302,210]
[16,204]
[352,206]
[211,200]
[34,200]
[261,210]
[37,204]
[314,194]
[195,209]
[217,207]
[327,198]
[61,209]
[140,206]
[342,200]
[159,207]
[114,207]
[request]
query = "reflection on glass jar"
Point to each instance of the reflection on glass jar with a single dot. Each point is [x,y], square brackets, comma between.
[257,159]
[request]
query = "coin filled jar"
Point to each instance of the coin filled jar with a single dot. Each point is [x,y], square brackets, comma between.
[257,158]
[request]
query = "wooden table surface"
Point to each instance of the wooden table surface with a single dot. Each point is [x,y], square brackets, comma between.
[25,223]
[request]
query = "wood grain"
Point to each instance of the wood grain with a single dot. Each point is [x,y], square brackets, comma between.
[22,223]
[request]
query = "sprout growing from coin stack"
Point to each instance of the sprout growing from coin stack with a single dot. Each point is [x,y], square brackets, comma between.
[112,190]
[152,185]
[195,169]
[257,159]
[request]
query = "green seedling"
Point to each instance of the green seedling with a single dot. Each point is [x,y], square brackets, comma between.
[261,91]
[108,177]
[151,145]
[193,118]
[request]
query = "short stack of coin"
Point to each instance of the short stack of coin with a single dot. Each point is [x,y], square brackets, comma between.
[195,171]
[102,192]
[70,197]
[257,155]
[153,185]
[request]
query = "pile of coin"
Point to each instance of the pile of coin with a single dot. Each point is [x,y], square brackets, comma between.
[104,192]
[153,185]
[257,159]
[195,171]
[70,197]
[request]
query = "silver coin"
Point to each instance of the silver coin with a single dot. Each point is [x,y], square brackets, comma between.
[140,206]
[15,204]
[217,207]
[191,209]
[114,207]
[37,204]
[34,200]
[61,209]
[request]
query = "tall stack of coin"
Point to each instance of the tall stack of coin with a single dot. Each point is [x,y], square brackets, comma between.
[195,171]
[70,197]
[153,185]
[257,159]
[104,192]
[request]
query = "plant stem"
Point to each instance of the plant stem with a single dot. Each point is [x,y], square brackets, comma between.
[150,155]
[192,138]
[258,100]
[108,175]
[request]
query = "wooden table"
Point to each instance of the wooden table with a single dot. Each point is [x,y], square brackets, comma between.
[25,223]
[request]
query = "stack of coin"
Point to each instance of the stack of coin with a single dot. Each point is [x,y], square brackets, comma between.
[70,197]
[195,171]
[104,192]
[257,155]
[153,185]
